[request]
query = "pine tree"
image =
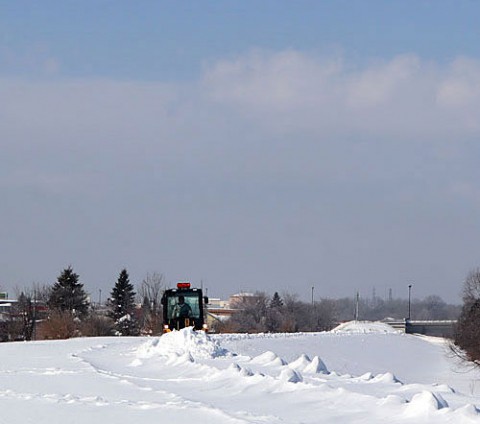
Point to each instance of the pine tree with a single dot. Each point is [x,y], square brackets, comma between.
[276,301]
[122,304]
[275,314]
[68,294]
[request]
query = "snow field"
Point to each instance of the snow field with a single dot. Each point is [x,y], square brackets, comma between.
[358,373]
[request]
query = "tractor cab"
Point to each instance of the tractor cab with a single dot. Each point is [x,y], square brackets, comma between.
[183,307]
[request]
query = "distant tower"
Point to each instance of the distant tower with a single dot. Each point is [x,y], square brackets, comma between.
[390,295]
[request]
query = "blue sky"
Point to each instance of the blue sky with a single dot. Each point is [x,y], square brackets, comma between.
[249,145]
[172,40]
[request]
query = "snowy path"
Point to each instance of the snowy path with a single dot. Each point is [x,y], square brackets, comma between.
[190,377]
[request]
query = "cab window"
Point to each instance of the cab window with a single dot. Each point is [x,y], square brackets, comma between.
[191,299]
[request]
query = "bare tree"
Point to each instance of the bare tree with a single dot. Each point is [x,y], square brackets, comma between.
[27,311]
[290,305]
[432,307]
[26,315]
[324,311]
[467,334]
[279,318]
[251,314]
[150,294]
[471,286]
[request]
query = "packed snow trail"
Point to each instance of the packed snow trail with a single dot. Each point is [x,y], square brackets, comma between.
[191,376]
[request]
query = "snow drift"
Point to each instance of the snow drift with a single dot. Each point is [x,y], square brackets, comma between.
[358,373]
[186,342]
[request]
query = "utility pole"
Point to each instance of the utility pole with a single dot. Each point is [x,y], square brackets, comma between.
[356,305]
[409,301]
[34,330]
[313,301]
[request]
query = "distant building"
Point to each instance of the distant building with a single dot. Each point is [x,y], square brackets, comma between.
[6,308]
[236,300]
[218,311]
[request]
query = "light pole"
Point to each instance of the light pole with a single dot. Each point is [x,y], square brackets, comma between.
[313,287]
[409,300]
[34,329]
[357,298]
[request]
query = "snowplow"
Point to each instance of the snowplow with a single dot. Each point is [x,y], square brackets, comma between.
[184,307]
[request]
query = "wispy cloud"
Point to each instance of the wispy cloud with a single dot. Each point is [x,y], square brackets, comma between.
[306,109]
[34,61]
[405,95]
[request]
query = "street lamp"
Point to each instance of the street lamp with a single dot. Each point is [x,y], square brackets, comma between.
[409,300]
[313,302]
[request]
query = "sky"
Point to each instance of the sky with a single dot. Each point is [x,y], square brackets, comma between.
[241,145]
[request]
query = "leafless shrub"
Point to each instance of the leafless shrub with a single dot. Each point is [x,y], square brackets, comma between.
[471,286]
[251,315]
[59,325]
[467,333]
[257,313]
[97,326]
[150,294]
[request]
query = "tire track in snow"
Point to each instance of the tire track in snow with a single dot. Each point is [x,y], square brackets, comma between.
[178,400]
[341,395]
[272,373]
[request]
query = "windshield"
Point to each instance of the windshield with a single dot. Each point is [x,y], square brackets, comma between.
[191,299]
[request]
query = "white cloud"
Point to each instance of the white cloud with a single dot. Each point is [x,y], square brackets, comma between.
[461,85]
[287,92]
[379,84]
[260,115]
[294,91]
[281,81]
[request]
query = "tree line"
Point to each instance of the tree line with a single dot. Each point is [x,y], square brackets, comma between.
[63,310]
[261,313]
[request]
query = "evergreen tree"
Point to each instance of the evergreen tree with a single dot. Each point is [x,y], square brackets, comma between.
[276,301]
[68,294]
[122,304]
[275,317]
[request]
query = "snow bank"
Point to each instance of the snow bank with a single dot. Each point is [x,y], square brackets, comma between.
[191,377]
[425,403]
[362,327]
[185,343]
[268,358]
[305,365]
